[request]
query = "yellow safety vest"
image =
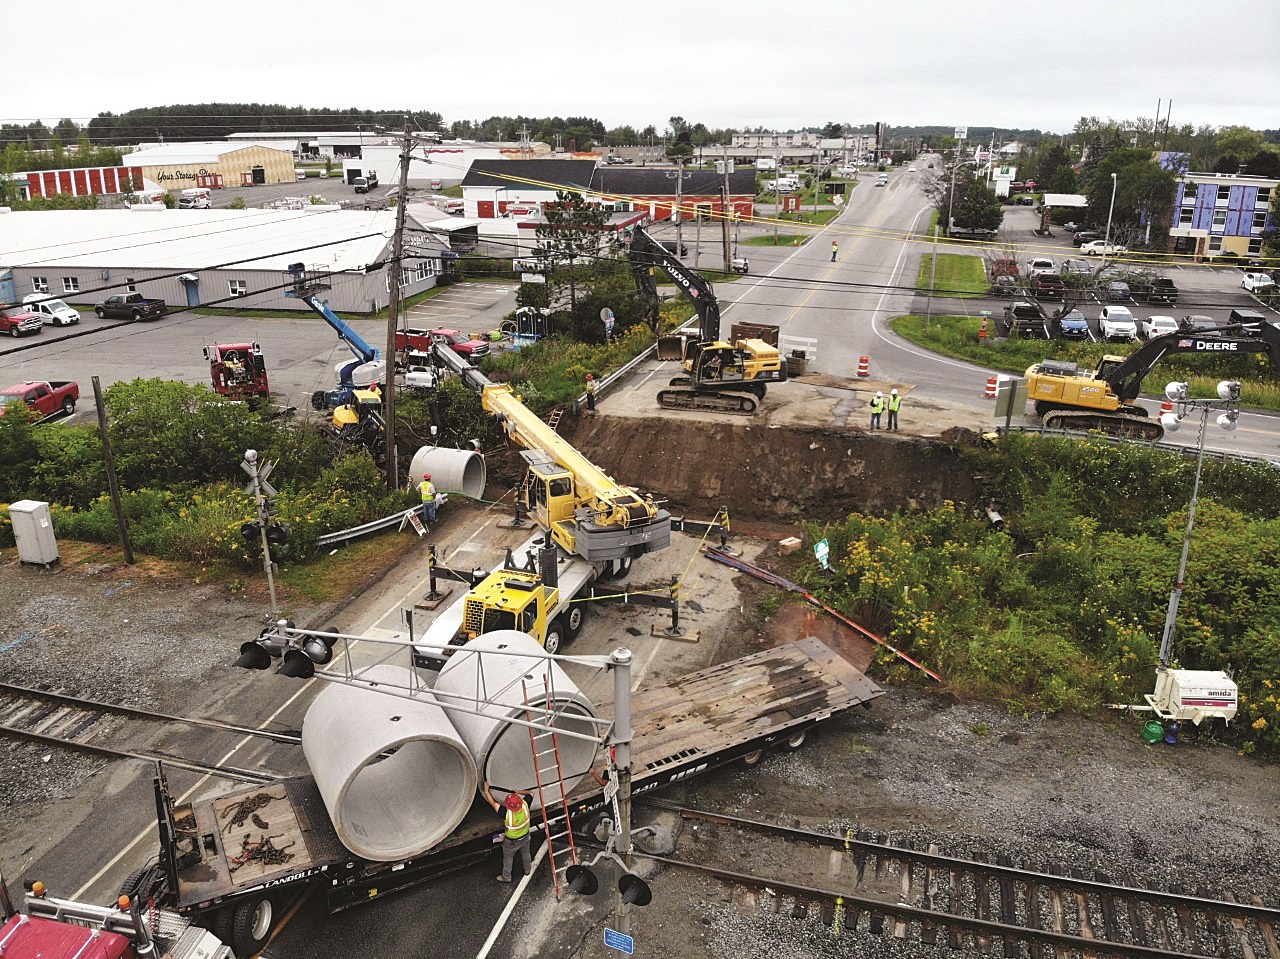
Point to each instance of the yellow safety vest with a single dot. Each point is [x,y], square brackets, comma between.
[518,822]
[877,404]
[428,490]
[894,403]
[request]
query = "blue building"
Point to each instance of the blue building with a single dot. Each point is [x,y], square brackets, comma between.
[1217,213]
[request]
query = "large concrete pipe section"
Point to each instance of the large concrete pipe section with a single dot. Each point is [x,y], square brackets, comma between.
[453,471]
[394,774]
[485,676]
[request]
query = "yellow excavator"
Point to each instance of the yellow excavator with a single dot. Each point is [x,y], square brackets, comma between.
[726,377]
[1067,397]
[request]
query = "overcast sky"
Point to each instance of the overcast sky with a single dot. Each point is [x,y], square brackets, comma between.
[725,64]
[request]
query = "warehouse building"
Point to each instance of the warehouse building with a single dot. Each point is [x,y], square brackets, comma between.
[178,165]
[223,258]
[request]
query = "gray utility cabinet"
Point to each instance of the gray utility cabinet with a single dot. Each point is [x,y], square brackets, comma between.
[33,529]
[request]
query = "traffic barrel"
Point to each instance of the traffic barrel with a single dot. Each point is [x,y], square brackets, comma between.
[991,388]
[1166,407]
[864,366]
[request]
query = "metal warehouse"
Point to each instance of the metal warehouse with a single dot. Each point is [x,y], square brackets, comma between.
[224,258]
[177,165]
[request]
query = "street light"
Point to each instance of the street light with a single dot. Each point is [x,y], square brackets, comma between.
[1229,401]
[1106,242]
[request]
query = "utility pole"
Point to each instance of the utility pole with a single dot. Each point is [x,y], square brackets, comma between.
[393,311]
[113,484]
[726,211]
[679,211]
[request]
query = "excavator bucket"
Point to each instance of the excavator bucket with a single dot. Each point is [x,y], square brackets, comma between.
[671,347]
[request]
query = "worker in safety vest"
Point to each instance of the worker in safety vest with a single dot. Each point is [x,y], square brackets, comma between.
[835,248]
[877,407]
[428,491]
[515,836]
[893,404]
[591,393]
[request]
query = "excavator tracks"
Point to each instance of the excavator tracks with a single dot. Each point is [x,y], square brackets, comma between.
[1113,424]
[743,403]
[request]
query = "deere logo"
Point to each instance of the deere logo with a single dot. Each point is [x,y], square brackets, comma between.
[1206,345]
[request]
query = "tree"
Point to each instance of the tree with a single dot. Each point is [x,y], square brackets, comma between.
[1238,141]
[833,131]
[1143,192]
[976,206]
[1264,163]
[572,235]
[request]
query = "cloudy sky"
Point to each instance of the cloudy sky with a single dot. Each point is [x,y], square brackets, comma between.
[725,64]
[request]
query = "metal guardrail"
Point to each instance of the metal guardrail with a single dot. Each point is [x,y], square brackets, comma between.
[355,532]
[1222,455]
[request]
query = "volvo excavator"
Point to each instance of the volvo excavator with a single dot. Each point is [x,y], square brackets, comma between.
[1104,399]
[719,376]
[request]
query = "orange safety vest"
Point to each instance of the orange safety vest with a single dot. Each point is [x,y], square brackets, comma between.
[518,822]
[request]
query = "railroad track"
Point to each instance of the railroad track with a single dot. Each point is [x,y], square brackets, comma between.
[857,882]
[105,729]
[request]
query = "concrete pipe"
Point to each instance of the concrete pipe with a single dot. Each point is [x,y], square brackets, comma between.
[484,676]
[394,774]
[453,471]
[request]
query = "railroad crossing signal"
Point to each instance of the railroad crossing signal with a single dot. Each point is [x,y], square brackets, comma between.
[252,487]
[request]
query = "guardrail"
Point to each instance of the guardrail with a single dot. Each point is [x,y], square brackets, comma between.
[1223,455]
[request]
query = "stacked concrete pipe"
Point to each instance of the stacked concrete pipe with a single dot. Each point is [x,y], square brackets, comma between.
[394,774]
[484,686]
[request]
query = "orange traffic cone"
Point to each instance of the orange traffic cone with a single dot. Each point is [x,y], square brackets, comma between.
[1166,407]
[990,394]
[864,366]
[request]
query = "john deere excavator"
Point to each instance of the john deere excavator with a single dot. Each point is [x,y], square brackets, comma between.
[1067,397]
[726,377]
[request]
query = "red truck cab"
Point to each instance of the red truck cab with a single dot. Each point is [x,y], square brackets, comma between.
[419,341]
[43,397]
[17,320]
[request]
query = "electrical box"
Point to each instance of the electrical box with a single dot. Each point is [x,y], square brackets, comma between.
[1194,695]
[33,529]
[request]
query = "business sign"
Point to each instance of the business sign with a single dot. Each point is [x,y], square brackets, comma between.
[962,133]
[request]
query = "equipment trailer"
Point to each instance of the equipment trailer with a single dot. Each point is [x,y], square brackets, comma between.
[230,862]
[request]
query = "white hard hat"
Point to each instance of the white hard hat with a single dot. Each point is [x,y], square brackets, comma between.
[878,393]
[893,392]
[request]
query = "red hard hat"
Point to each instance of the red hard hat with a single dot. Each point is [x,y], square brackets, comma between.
[590,377]
[426,476]
[513,802]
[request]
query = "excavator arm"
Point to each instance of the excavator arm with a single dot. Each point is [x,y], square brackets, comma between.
[646,253]
[1125,378]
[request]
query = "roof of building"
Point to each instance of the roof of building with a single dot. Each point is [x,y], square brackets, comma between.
[632,182]
[208,152]
[340,240]
[573,174]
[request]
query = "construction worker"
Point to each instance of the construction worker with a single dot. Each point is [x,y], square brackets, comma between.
[893,405]
[877,407]
[515,836]
[591,394]
[428,491]
[835,248]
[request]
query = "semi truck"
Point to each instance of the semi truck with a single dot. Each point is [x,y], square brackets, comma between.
[53,928]
[239,881]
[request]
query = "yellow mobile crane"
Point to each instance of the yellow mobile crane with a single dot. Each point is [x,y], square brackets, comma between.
[591,528]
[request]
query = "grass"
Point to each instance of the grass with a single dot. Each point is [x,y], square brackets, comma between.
[782,239]
[958,275]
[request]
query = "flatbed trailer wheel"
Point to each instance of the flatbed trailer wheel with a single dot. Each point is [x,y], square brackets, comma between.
[251,925]
[796,740]
[753,758]
[574,618]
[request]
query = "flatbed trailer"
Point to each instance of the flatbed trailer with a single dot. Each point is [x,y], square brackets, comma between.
[228,862]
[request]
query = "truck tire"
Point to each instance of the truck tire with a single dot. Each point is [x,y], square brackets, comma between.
[101,313]
[796,740]
[136,315]
[252,924]
[130,885]
[13,331]
[573,620]
[68,405]
[556,636]
[618,568]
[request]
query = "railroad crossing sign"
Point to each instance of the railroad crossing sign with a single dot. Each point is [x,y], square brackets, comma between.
[822,550]
[620,941]
[261,483]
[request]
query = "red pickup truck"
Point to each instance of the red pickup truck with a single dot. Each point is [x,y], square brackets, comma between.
[44,397]
[419,341]
[16,320]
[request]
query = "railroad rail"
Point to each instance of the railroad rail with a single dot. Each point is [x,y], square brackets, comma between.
[89,726]
[863,884]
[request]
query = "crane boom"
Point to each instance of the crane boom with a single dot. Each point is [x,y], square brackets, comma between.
[306,287]
[585,510]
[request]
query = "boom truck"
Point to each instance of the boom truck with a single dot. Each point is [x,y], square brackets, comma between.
[1067,397]
[590,529]
[719,376]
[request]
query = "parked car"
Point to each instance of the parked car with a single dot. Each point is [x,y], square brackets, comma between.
[54,312]
[1026,201]
[1076,267]
[1199,323]
[911,169]
[1102,248]
[1258,283]
[1117,323]
[1085,236]
[1072,326]
[1118,292]
[16,320]
[1040,264]
[1158,326]
[1070,226]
